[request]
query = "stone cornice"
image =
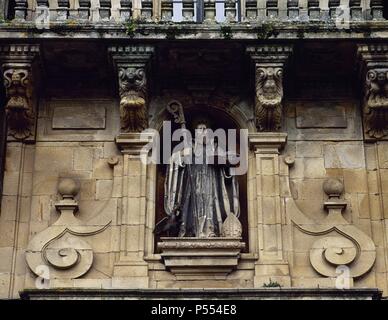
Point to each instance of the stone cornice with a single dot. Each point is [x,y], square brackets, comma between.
[270,53]
[18,53]
[131,54]
[377,30]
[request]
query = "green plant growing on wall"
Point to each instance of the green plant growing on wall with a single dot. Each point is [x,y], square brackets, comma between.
[266,31]
[131,27]
[271,284]
[226,32]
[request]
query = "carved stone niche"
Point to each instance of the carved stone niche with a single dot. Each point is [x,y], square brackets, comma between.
[195,258]
[374,73]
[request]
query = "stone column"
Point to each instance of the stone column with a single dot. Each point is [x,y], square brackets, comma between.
[269,62]
[131,63]
[373,60]
[17,62]
[269,216]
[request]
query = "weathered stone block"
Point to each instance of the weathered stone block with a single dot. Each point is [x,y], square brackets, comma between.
[324,114]
[79,116]
[83,159]
[348,156]
[104,189]
[102,170]
[55,159]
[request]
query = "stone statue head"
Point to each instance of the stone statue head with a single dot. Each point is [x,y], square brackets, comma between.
[200,127]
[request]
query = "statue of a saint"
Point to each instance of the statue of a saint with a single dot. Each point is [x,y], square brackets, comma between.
[200,194]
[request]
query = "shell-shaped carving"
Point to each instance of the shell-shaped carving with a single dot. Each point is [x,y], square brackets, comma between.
[328,253]
[231,227]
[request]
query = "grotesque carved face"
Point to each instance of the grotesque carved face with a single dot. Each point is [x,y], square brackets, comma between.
[132,79]
[377,88]
[269,85]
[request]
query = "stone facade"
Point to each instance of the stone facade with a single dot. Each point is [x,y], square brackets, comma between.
[78,204]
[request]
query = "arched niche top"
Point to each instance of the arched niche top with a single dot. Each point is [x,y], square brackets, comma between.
[217,107]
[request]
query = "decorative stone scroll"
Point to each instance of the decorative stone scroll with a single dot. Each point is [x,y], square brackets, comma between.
[60,247]
[269,65]
[18,81]
[131,63]
[374,72]
[339,242]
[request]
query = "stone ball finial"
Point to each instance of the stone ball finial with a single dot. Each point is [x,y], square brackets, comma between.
[68,188]
[333,187]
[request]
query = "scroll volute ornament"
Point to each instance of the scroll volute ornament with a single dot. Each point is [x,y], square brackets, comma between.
[269,95]
[376,102]
[133,91]
[19,109]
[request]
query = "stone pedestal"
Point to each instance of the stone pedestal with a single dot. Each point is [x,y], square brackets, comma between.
[201,258]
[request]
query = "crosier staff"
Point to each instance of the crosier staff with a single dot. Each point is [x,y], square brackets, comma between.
[171,222]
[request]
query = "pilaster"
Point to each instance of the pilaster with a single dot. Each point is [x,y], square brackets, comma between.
[272,263]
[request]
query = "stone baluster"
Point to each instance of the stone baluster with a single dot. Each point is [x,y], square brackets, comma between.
[84,9]
[42,10]
[333,7]
[355,9]
[293,9]
[188,10]
[105,8]
[230,11]
[63,10]
[125,9]
[377,9]
[166,10]
[146,10]
[251,9]
[272,9]
[209,11]
[314,10]
[21,9]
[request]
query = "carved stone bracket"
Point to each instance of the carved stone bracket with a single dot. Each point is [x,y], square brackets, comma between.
[374,72]
[269,63]
[59,247]
[17,63]
[131,63]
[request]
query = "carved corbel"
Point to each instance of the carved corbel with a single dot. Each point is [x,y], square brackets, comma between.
[131,64]
[269,63]
[17,64]
[374,73]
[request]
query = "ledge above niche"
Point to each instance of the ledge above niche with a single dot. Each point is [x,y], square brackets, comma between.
[200,258]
